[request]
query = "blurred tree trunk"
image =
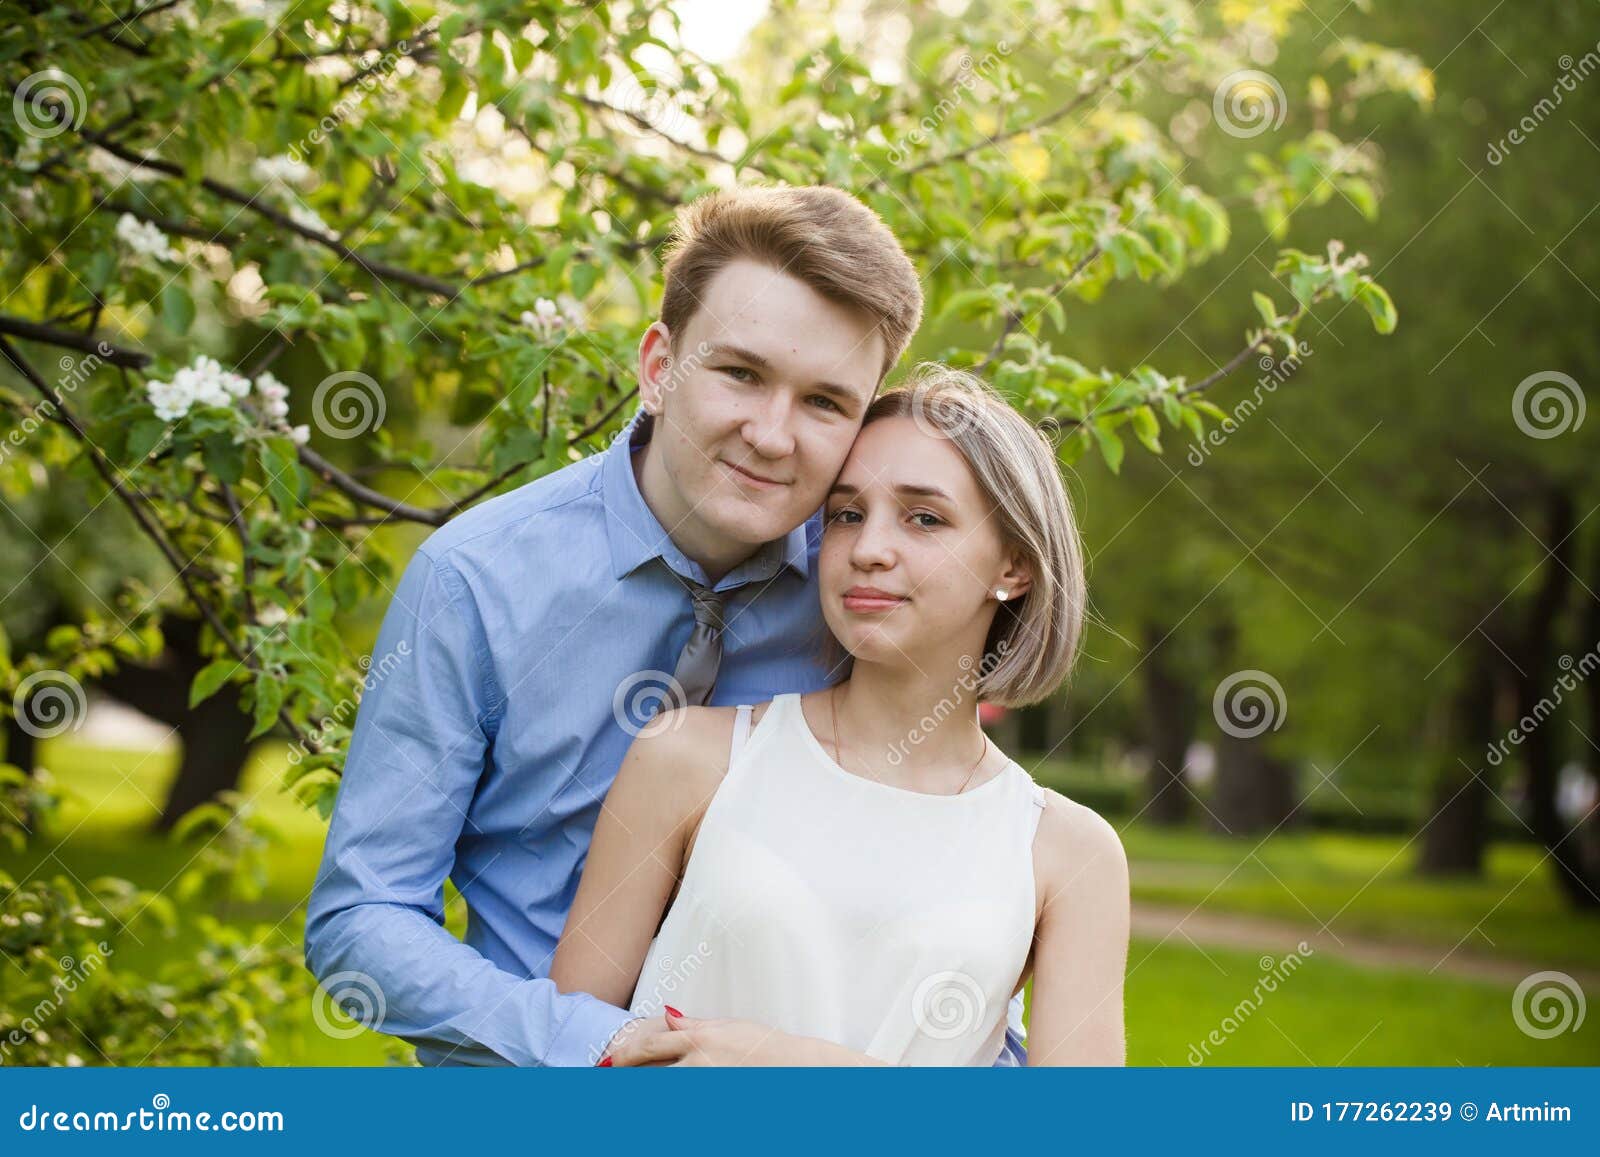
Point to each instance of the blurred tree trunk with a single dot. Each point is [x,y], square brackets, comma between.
[214,734]
[1253,790]
[1169,703]
[1456,833]
[1541,750]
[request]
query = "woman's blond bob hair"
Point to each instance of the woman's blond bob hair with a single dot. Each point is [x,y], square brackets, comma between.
[1034,639]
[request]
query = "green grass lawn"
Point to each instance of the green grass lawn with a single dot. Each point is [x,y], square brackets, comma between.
[1326,1013]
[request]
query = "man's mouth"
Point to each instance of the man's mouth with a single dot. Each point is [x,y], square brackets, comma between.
[752,480]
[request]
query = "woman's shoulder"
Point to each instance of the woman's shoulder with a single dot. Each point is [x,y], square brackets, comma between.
[1077,844]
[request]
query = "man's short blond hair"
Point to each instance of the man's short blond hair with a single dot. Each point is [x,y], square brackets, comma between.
[819,235]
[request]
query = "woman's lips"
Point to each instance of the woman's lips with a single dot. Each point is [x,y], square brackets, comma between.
[863,603]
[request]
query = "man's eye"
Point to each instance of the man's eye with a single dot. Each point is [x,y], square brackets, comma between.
[824,400]
[738,373]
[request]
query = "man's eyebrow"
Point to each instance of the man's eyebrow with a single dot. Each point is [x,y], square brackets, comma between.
[914,489]
[727,349]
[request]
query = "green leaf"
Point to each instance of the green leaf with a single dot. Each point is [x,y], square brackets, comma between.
[177,308]
[1110,443]
[1147,429]
[1264,306]
[1379,306]
[143,437]
[209,680]
[269,697]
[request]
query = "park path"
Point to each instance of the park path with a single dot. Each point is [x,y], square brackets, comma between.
[1280,937]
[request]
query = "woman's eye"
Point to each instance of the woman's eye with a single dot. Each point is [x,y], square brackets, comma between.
[841,515]
[935,519]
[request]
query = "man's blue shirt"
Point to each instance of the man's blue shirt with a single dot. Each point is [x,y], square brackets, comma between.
[527,641]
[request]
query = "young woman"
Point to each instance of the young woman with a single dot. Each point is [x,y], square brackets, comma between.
[860,869]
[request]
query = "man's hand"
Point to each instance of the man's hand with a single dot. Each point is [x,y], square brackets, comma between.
[724,1042]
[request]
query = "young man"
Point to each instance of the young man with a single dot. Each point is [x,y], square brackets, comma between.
[540,628]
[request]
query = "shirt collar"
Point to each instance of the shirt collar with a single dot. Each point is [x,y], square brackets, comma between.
[636,536]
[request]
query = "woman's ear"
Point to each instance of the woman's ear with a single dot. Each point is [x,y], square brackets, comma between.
[655,367]
[1015,580]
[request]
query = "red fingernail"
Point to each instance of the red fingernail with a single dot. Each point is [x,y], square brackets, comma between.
[603,1063]
[673,1011]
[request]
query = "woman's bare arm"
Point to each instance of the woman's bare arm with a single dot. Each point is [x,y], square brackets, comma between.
[1081,940]
[666,779]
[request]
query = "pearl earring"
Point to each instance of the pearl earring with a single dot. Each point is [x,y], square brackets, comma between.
[1001,595]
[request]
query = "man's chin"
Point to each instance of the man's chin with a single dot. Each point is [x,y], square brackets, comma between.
[742,520]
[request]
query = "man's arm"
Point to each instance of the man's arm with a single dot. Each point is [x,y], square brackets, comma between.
[375,924]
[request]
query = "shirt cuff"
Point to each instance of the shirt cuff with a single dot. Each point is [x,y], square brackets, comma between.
[583,1036]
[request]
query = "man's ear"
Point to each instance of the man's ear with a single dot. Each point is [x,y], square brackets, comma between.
[655,367]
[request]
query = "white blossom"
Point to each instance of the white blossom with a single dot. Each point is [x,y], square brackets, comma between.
[272,615]
[144,238]
[548,317]
[307,218]
[281,170]
[274,397]
[204,383]
[300,435]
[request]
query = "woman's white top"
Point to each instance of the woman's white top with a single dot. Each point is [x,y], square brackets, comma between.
[829,905]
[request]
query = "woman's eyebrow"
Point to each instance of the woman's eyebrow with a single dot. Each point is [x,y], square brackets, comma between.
[915,489]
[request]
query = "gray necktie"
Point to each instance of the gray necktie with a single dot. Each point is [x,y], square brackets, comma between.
[696,673]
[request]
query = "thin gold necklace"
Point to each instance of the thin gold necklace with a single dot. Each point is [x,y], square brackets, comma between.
[833,711]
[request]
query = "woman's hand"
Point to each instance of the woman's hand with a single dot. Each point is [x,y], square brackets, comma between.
[725,1042]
